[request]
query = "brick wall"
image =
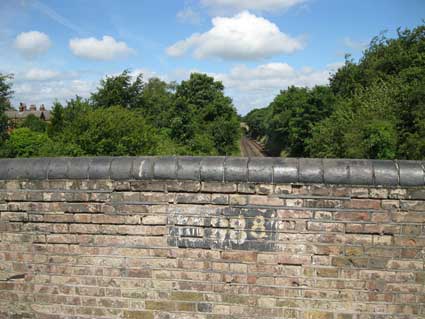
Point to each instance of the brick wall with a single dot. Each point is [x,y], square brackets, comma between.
[138,247]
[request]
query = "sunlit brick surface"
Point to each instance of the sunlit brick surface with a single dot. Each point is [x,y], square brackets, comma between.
[189,249]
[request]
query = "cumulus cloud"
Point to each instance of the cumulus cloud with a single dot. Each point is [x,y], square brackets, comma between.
[105,49]
[37,74]
[33,43]
[188,15]
[47,92]
[40,75]
[355,45]
[241,37]
[333,67]
[256,87]
[272,76]
[221,6]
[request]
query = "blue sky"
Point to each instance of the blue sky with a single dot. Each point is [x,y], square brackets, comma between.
[59,49]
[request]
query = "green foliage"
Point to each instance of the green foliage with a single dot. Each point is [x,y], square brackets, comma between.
[57,119]
[126,116]
[24,142]
[363,126]
[111,131]
[257,121]
[119,90]
[157,98]
[5,94]
[292,116]
[34,123]
[372,109]
[204,118]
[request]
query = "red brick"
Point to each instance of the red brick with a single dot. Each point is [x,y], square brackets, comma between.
[240,256]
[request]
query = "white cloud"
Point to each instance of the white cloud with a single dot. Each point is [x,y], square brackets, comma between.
[333,67]
[222,6]
[105,49]
[256,87]
[272,76]
[36,92]
[39,75]
[242,37]
[36,74]
[33,43]
[355,45]
[188,15]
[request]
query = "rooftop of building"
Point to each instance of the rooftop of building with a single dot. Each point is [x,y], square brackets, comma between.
[23,112]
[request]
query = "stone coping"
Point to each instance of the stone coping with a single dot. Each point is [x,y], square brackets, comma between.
[221,169]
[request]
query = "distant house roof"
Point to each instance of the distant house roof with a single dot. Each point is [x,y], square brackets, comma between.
[23,114]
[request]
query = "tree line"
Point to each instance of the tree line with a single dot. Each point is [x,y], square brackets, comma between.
[373,108]
[129,116]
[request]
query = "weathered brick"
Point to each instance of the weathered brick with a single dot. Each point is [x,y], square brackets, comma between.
[168,249]
[246,188]
[327,272]
[414,205]
[364,203]
[238,200]
[294,260]
[150,186]
[294,214]
[154,220]
[193,198]
[186,296]
[352,216]
[218,187]
[264,189]
[160,305]
[264,200]
[409,217]
[135,314]
[183,186]
[247,256]
[318,315]
[84,229]
[328,227]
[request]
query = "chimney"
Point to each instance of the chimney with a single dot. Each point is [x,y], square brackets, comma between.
[42,108]
[33,108]
[21,107]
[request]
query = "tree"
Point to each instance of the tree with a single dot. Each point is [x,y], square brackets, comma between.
[292,116]
[210,113]
[257,122]
[119,90]
[57,119]
[157,102]
[105,131]
[373,108]
[5,95]
[363,126]
[26,143]
[34,123]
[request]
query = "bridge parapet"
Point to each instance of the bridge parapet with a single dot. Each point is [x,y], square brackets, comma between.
[224,169]
[211,237]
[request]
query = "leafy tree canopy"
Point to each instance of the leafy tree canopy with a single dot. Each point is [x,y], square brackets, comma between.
[5,95]
[373,108]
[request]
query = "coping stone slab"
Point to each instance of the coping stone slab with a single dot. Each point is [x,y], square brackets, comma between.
[311,170]
[411,173]
[385,173]
[260,170]
[212,169]
[100,167]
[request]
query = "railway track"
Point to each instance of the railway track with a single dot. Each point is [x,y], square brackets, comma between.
[250,148]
